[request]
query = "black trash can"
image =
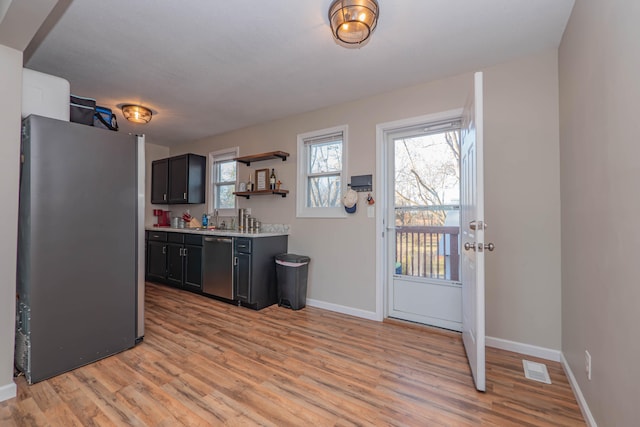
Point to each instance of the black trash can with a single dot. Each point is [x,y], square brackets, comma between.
[291,274]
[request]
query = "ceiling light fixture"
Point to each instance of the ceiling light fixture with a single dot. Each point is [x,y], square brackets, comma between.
[136,113]
[353,21]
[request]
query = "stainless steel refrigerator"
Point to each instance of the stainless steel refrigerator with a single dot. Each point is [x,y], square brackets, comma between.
[80,279]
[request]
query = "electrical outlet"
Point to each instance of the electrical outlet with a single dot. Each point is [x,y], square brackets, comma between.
[587,364]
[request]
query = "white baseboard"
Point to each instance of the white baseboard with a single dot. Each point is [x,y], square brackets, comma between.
[370,315]
[548,354]
[584,408]
[8,391]
[528,349]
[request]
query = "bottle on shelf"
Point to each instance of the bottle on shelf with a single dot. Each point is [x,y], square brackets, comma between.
[250,184]
[272,180]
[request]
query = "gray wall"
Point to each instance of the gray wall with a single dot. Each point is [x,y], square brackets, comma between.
[17,27]
[10,107]
[522,180]
[599,64]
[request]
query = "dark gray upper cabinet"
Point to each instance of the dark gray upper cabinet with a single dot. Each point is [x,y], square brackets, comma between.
[186,179]
[160,181]
[178,180]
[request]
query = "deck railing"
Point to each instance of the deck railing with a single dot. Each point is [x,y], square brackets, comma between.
[428,251]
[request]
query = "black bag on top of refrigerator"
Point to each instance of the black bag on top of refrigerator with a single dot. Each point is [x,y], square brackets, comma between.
[82,110]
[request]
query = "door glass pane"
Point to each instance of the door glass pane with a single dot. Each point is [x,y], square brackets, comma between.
[427,205]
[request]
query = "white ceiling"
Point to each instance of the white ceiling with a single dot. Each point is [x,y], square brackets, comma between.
[208,66]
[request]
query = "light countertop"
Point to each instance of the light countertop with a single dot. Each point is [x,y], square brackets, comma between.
[215,232]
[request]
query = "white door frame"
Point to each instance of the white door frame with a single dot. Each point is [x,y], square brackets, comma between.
[382,263]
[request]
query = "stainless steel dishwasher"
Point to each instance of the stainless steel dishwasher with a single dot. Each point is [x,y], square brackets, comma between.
[217,274]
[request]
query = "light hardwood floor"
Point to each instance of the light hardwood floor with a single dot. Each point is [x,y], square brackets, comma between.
[206,363]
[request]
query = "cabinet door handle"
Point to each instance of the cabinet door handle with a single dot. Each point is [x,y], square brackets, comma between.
[164,196]
[185,196]
[180,252]
[185,252]
[235,260]
[164,250]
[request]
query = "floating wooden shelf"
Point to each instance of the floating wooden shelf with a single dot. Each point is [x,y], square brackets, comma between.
[263,156]
[248,194]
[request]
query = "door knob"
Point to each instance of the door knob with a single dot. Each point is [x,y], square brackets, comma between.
[487,246]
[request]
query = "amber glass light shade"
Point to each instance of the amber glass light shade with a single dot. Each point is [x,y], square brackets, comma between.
[136,113]
[353,21]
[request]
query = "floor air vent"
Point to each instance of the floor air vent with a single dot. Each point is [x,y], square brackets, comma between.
[536,371]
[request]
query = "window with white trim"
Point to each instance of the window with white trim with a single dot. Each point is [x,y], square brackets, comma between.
[223,180]
[322,173]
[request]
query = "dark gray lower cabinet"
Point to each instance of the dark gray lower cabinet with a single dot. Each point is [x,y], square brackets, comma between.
[175,263]
[156,255]
[242,276]
[175,259]
[192,273]
[254,271]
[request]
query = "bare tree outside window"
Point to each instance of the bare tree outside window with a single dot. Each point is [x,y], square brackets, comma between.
[427,204]
[324,170]
[225,184]
[427,181]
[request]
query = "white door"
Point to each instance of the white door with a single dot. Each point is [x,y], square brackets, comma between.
[472,232]
[423,200]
